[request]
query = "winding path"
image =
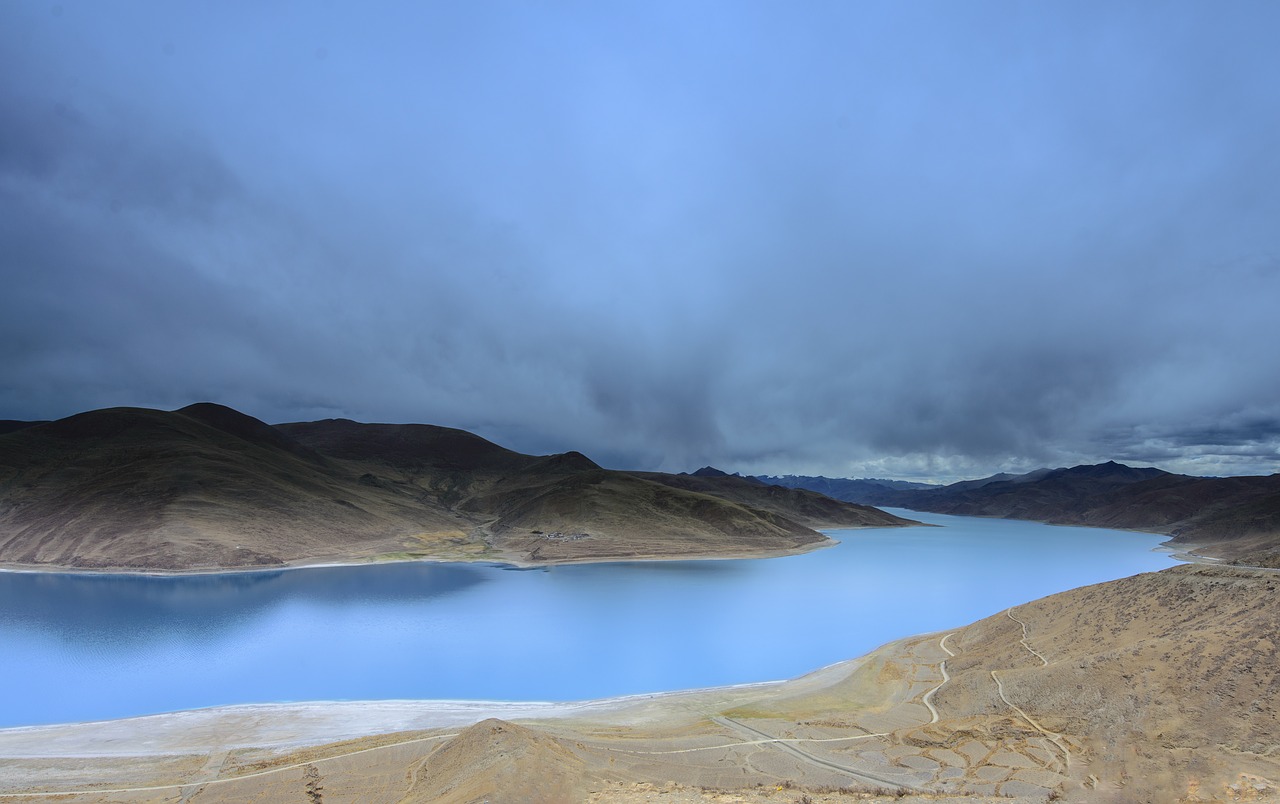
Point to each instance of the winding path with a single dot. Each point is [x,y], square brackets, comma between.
[789,746]
[1009,613]
[1053,737]
[721,746]
[927,700]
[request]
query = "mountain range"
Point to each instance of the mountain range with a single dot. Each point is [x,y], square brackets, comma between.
[208,487]
[1236,519]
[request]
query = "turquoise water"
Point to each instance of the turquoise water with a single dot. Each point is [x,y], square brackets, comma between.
[91,647]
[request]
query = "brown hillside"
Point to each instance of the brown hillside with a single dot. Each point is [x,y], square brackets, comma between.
[600,514]
[809,508]
[1160,683]
[405,446]
[142,489]
[207,487]
[499,761]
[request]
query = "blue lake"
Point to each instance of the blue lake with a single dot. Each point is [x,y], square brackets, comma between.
[91,647]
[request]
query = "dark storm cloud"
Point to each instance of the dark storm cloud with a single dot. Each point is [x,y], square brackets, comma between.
[929,240]
[56,147]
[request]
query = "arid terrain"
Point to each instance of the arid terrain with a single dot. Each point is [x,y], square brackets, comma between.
[207,488]
[1155,688]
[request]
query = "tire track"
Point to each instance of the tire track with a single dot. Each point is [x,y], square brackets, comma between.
[1009,613]
[1053,737]
[927,700]
[790,747]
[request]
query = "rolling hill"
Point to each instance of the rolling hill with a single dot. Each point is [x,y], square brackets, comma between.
[807,507]
[207,487]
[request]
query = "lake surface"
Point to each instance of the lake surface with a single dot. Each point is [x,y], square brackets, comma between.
[91,647]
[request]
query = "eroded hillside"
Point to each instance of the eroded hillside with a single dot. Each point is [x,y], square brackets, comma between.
[207,488]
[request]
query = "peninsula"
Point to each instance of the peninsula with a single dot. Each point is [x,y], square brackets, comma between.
[208,488]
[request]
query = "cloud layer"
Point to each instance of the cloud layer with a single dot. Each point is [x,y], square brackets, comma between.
[933,240]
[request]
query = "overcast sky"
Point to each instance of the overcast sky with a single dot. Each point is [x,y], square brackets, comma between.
[908,239]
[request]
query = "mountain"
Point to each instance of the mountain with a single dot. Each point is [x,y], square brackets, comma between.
[200,487]
[1045,495]
[565,507]
[855,490]
[208,487]
[1231,518]
[807,507]
[13,425]
[1002,477]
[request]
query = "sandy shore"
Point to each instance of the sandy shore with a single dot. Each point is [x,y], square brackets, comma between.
[297,725]
[494,559]
[169,749]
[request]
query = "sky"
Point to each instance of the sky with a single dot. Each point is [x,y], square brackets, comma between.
[924,240]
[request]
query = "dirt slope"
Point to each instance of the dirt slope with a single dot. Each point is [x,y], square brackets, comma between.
[499,761]
[1162,684]
[190,489]
[809,508]
[207,487]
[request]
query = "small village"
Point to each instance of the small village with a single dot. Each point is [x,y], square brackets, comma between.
[558,536]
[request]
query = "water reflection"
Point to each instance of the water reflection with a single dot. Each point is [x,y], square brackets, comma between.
[125,611]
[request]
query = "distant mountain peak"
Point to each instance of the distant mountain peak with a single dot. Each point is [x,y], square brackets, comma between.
[1111,470]
[709,471]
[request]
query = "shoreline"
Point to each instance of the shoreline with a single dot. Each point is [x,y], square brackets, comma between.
[304,724]
[507,562]
[451,708]
[871,718]
[986,711]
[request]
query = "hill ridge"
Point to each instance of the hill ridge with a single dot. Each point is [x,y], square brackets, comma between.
[206,487]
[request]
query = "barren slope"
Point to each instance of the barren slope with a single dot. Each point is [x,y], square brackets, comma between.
[204,487]
[807,507]
[558,507]
[207,487]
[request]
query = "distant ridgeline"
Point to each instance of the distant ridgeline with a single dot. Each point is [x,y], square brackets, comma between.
[1233,518]
[852,490]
